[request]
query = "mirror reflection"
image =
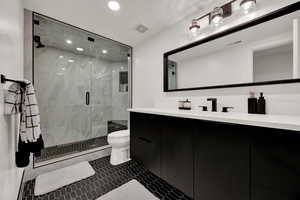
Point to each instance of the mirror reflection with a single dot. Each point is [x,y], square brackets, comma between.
[262,53]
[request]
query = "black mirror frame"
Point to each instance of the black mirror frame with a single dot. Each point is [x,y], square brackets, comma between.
[268,17]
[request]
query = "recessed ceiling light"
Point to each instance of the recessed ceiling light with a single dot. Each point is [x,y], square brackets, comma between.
[104,51]
[63,68]
[70,61]
[61,57]
[79,49]
[69,41]
[114,5]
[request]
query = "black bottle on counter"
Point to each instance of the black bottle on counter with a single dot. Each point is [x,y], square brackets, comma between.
[252,104]
[261,104]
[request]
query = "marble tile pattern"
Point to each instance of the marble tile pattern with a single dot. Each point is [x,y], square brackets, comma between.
[119,99]
[61,88]
[107,178]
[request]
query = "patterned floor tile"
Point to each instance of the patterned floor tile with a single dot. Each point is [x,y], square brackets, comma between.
[107,178]
[67,149]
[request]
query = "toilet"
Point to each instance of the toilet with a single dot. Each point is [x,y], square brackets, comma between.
[119,141]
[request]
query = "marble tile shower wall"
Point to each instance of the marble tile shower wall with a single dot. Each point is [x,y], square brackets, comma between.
[119,99]
[61,86]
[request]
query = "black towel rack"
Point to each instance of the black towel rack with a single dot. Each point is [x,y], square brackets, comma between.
[4,80]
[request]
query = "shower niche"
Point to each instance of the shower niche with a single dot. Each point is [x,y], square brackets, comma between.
[81,86]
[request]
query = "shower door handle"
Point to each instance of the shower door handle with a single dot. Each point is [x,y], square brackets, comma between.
[87,98]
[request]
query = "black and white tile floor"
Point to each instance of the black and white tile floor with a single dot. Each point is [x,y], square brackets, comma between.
[67,149]
[107,178]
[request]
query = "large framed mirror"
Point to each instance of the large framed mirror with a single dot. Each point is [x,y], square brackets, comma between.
[260,52]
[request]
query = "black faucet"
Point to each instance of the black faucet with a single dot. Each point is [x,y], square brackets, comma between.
[214,104]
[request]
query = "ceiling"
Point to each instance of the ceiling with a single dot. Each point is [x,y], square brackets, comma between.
[54,34]
[95,16]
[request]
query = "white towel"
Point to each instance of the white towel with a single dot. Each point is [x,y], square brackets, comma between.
[23,100]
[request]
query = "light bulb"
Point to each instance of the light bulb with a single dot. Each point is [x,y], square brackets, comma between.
[194,28]
[217,16]
[248,5]
[217,20]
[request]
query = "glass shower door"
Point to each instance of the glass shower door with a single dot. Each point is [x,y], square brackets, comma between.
[81,82]
[77,118]
[62,84]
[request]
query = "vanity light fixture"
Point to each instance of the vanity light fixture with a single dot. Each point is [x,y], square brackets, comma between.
[114,5]
[248,5]
[216,16]
[194,28]
[219,13]
[79,49]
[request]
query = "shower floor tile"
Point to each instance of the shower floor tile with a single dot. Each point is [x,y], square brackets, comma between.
[67,149]
[107,178]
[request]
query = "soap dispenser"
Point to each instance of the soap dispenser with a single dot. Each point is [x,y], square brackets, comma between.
[252,103]
[261,104]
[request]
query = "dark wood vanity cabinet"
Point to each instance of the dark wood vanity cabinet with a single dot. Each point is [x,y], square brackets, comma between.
[221,162]
[177,153]
[145,140]
[164,146]
[212,160]
[275,164]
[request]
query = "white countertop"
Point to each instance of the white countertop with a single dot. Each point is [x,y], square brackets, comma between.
[270,121]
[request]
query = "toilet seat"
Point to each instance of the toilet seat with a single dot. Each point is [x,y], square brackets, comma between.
[122,133]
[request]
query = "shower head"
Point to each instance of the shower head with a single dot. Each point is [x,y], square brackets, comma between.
[37,39]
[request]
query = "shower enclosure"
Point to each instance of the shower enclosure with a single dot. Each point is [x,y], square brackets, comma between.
[82,87]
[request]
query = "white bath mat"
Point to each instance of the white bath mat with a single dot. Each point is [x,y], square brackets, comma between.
[54,180]
[132,190]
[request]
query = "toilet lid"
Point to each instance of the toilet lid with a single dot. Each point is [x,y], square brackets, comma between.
[122,133]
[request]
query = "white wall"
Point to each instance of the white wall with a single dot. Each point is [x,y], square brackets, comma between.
[273,66]
[148,72]
[11,56]
[217,68]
